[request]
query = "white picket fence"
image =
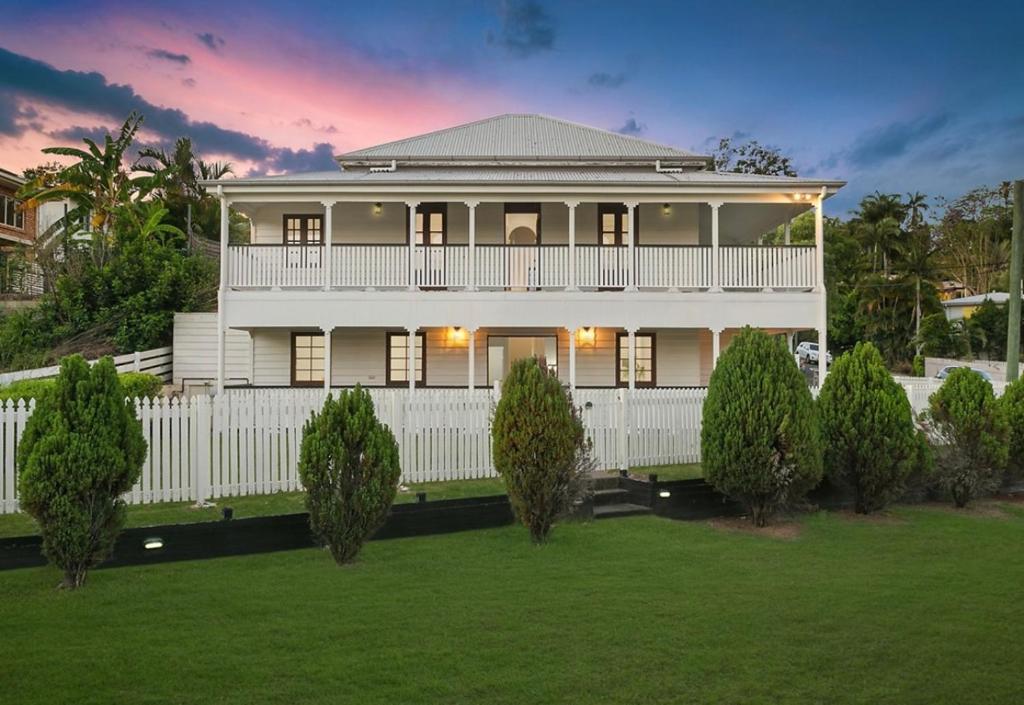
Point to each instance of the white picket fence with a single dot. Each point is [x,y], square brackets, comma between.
[919,389]
[155,362]
[247,441]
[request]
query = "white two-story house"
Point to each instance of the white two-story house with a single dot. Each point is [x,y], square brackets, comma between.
[438,260]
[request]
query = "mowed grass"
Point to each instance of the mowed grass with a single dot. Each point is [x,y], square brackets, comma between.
[923,606]
[678,471]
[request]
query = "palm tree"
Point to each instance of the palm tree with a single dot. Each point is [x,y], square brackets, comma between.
[881,235]
[178,174]
[916,205]
[917,265]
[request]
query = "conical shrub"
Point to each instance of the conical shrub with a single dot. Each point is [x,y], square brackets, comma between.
[760,440]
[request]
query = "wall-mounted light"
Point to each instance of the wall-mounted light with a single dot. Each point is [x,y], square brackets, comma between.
[802,196]
[664,494]
[457,335]
[378,208]
[152,544]
[666,209]
[586,336]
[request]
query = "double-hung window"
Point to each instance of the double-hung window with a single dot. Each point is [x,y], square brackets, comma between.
[397,359]
[645,360]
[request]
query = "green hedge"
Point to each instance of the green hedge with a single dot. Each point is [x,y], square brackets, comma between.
[135,384]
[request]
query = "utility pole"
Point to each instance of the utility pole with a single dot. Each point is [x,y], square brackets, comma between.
[1016,252]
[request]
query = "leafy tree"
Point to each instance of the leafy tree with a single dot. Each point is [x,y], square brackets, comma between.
[970,432]
[751,157]
[348,463]
[939,337]
[760,438]
[81,450]
[868,431]
[539,446]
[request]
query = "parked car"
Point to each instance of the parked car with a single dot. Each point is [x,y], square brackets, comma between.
[944,372]
[808,353]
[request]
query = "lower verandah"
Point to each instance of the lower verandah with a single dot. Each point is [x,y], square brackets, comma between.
[378,357]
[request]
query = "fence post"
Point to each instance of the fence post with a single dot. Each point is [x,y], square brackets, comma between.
[201,412]
[623,431]
[137,362]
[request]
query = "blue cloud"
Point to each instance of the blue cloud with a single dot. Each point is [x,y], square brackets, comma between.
[212,41]
[526,28]
[163,54]
[893,140]
[632,127]
[603,79]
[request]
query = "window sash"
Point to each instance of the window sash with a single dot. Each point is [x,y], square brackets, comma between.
[645,360]
[397,358]
[303,229]
[307,358]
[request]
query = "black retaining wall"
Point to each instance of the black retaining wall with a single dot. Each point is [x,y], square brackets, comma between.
[236,537]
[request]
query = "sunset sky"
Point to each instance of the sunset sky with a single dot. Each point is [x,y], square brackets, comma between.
[885,95]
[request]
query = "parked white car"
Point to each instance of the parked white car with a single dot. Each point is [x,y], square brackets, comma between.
[808,353]
[944,372]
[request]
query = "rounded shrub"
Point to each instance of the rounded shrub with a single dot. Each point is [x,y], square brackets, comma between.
[134,384]
[760,438]
[870,442]
[348,464]
[81,450]
[969,433]
[539,446]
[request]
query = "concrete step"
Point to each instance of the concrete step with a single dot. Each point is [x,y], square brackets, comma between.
[610,496]
[612,511]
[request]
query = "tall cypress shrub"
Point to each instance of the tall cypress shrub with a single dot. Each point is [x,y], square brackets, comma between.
[81,450]
[970,434]
[349,466]
[760,440]
[539,446]
[870,441]
[1012,402]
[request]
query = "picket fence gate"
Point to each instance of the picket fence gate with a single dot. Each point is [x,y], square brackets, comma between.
[247,441]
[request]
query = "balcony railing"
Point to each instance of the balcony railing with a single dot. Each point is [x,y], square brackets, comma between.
[520,268]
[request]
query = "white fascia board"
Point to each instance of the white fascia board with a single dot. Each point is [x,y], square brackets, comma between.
[557,309]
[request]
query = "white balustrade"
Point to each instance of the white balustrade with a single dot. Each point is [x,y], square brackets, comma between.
[767,267]
[370,266]
[519,267]
[602,267]
[275,266]
[673,267]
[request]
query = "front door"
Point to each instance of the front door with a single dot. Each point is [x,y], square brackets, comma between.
[431,238]
[613,238]
[522,238]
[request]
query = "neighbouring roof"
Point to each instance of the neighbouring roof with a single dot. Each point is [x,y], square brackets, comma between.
[520,137]
[11,179]
[999,297]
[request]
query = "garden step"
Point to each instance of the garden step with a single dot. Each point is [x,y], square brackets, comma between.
[611,511]
[605,482]
[610,496]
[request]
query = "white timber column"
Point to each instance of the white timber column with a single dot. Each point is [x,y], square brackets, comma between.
[571,205]
[328,262]
[411,359]
[716,274]
[225,230]
[632,358]
[631,250]
[471,278]
[471,340]
[787,235]
[789,341]
[328,335]
[716,346]
[412,243]
[572,358]
[819,251]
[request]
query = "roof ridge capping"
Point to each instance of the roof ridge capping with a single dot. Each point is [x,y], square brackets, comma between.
[521,136]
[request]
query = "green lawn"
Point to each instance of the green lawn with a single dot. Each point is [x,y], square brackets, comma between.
[679,471]
[258,505]
[921,607]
